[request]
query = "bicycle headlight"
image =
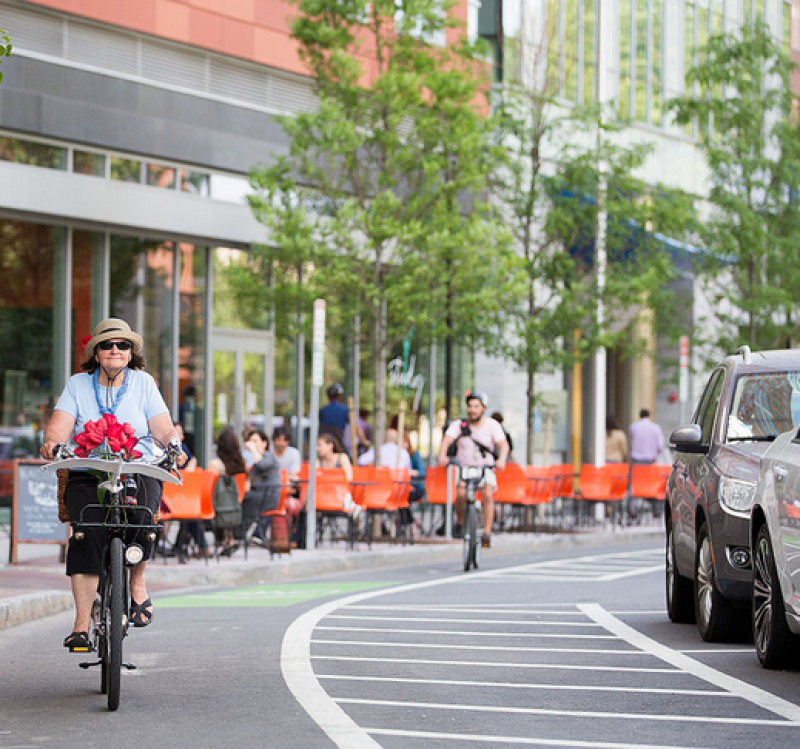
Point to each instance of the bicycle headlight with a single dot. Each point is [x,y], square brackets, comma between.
[134,554]
[737,495]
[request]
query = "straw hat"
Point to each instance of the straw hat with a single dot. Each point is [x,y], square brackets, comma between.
[113,329]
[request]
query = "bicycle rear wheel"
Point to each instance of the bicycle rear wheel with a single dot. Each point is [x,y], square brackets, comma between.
[115,621]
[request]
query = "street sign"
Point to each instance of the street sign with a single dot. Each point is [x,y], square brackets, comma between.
[318,345]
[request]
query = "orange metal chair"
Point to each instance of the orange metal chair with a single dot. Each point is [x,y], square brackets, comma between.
[541,484]
[649,481]
[191,500]
[401,485]
[330,502]
[606,484]
[372,491]
[436,492]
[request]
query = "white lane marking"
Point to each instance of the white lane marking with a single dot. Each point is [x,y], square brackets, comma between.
[514,685]
[467,633]
[477,608]
[471,620]
[593,714]
[549,666]
[512,740]
[746,691]
[300,678]
[482,648]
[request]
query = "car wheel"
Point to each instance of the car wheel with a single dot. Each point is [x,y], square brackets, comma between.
[776,646]
[680,600]
[715,615]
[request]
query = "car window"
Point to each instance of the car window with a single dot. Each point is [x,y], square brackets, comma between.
[764,405]
[708,408]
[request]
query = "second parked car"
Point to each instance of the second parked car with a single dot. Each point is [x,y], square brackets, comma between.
[749,400]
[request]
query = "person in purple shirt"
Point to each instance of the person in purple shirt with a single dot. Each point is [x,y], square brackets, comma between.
[647,442]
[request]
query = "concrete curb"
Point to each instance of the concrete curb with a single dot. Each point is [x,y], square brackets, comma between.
[26,608]
[20,609]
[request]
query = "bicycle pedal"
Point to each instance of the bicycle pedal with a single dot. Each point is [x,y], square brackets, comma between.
[89,665]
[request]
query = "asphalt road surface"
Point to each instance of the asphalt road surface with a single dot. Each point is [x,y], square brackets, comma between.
[568,648]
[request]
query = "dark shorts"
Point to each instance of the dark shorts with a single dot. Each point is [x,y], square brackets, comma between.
[85,557]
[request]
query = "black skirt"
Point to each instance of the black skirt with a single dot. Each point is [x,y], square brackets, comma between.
[85,557]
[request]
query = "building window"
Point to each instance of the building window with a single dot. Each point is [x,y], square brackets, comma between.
[161,176]
[87,162]
[32,153]
[30,320]
[125,170]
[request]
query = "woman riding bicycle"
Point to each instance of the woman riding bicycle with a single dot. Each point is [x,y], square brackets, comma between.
[113,382]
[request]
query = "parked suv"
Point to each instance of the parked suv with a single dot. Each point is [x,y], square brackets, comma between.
[750,399]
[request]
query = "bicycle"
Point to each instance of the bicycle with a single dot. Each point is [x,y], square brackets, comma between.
[124,525]
[472,476]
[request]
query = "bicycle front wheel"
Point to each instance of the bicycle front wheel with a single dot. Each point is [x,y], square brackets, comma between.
[470,535]
[115,621]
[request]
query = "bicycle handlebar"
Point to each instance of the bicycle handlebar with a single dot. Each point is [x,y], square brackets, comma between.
[118,467]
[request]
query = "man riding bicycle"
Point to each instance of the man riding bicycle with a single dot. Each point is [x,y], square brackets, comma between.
[479,441]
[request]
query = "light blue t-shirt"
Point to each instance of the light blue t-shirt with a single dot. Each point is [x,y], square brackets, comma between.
[141,402]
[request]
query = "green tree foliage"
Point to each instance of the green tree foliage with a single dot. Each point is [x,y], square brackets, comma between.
[739,96]
[561,171]
[5,48]
[378,201]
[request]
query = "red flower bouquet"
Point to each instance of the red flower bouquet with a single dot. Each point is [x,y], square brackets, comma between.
[107,438]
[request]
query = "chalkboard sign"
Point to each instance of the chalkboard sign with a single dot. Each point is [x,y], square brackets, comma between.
[34,517]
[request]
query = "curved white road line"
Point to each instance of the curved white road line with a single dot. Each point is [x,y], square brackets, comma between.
[347,734]
[303,683]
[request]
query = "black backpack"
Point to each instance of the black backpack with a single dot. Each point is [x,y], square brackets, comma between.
[227,508]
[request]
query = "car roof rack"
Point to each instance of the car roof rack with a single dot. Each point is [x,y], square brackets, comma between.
[746,354]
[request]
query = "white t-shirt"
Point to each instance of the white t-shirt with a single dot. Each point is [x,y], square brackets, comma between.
[489,433]
[140,403]
[290,460]
[388,456]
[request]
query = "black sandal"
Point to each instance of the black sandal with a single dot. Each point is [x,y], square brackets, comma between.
[78,642]
[139,615]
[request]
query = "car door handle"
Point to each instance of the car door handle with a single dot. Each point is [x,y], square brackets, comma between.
[780,473]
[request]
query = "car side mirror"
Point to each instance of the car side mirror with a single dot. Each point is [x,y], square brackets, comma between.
[688,439]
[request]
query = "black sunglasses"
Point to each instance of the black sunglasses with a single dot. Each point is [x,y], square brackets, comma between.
[108,345]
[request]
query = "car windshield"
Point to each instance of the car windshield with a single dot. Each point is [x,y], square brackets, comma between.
[764,405]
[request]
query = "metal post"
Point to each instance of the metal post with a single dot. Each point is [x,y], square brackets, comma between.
[431,401]
[603,49]
[300,349]
[317,379]
[448,508]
